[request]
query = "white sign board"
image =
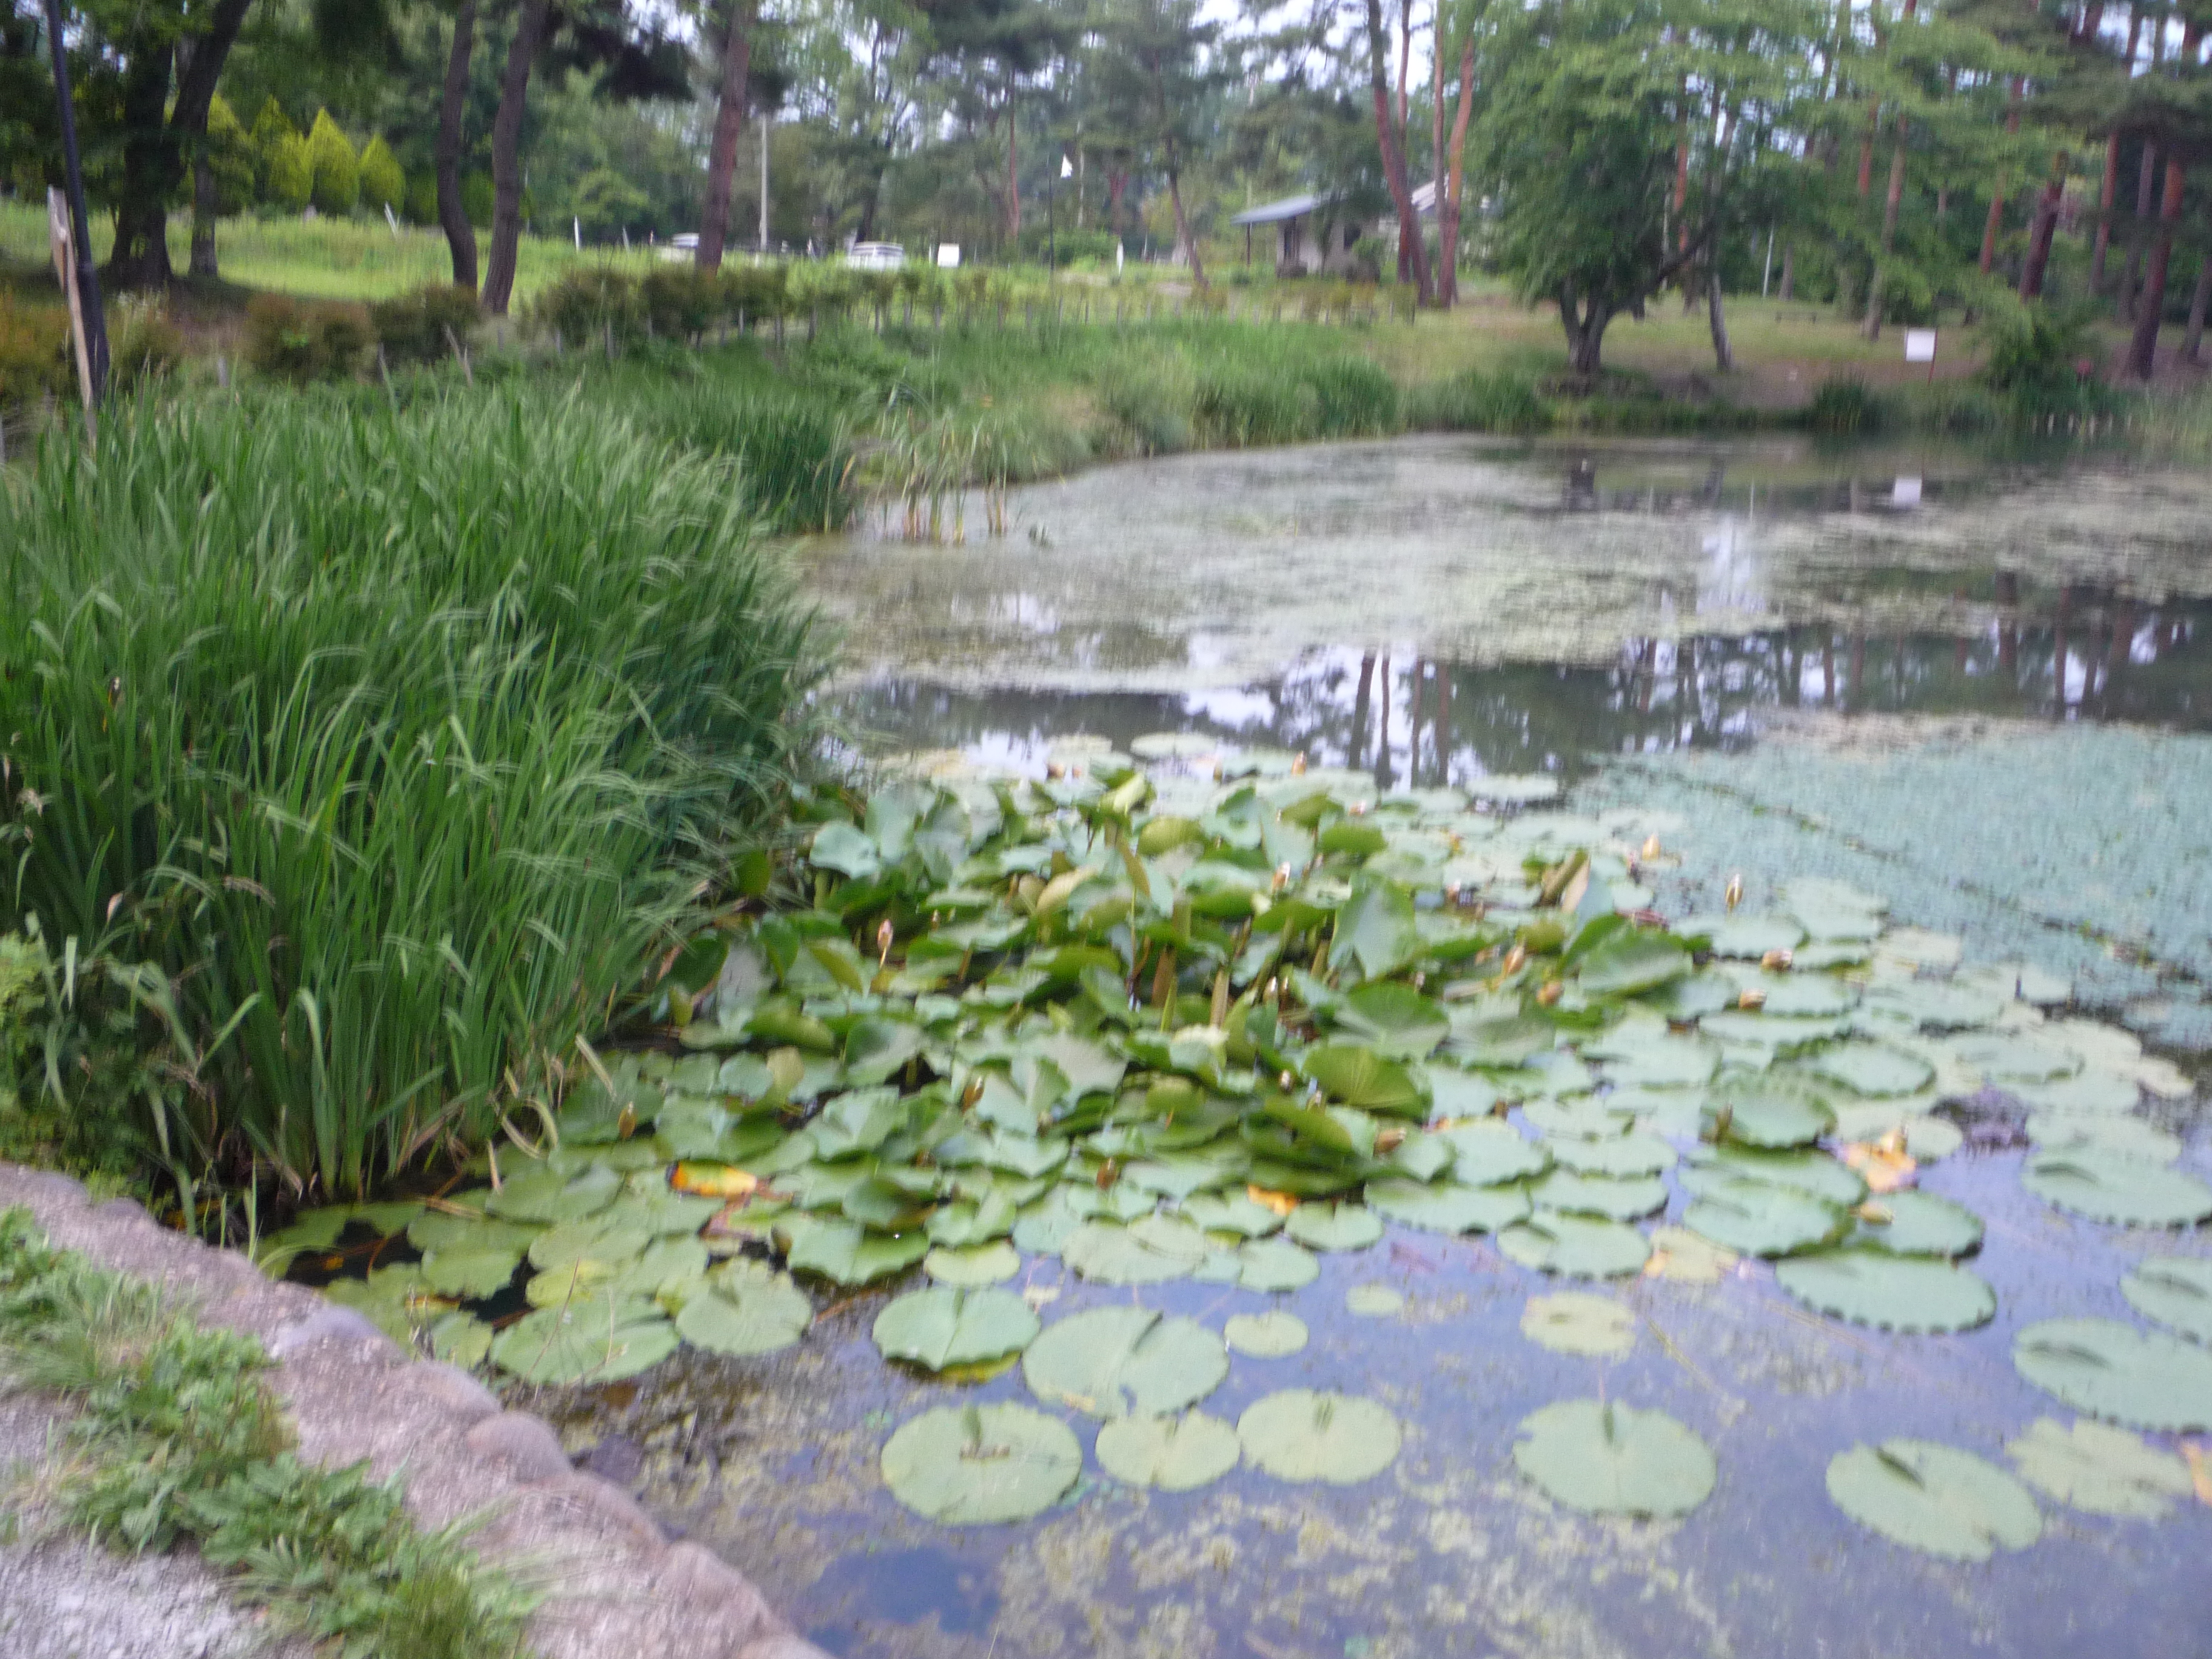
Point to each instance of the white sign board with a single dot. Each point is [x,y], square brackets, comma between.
[948,255]
[1919,345]
[1906,492]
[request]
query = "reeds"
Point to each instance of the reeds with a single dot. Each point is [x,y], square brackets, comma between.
[398,742]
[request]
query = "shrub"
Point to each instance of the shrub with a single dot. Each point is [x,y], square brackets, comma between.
[422,207]
[596,306]
[1844,408]
[337,169]
[272,131]
[421,325]
[680,301]
[1154,404]
[34,357]
[2041,357]
[291,174]
[1476,402]
[1240,407]
[383,181]
[302,341]
[398,741]
[1354,398]
[144,344]
[231,157]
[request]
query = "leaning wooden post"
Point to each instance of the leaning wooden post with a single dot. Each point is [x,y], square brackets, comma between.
[58,233]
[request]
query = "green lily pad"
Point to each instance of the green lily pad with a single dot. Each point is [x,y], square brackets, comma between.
[2176,1291]
[597,1340]
[1929,1140]
[1123,1362]
[1489,1152]
[1276,1264]
[1933,1004]
[1618,1198]
[1934,1499]
[1804,996]
[1359,1076]
[546,1195]
[1689,1260]
[1585,1118]
[978,1264]
[940,1327]
[2129,1137]
[1237,1213]
[1759,1218]
[1374,1302]
[2006,1057]
[1573,1322]
[1448,1207]
[1268,1335]
[1579,1247]
[847,1253]
[1301,1435]
[745,1308]
[1872,1069]
[1333,1226]
[667,1214]
[1394,1020]
[1630,964]
[438,1231]
[1172,1454]
[1810,1172]
[602,1239]
[1622,1156]
[471,1271]
[2141,1379]
[2111,1187]
[318,1229]
[396,1300]
[1769,1114]
[1744,936]
[1148,1251]
[965,1466]
[1911,1294]
[1606,1458]
[1516,789]
[2101,1470]
[2085,1091]
[1917,1224]
[459,1338]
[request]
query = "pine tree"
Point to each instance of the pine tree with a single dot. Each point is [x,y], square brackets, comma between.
[383,182]
[337,170]
[272,131]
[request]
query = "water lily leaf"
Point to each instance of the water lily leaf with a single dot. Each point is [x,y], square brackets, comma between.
[1804,996]
[1044,1227]
[1457,1094]
[1917,1224]
[471,1270]
[1374,1302]
[746,1308]
[1769,1113]
[1448,1207]
[1276,1264]
[846,850]
[1573,1322]
[1743,936]
[976,1264]
[2141,1379]
[1911,1294]
[847,1253]
[1179,1176]
[1422,1154]
[965,1466]
[460,1340]
[2111,1187]
[1680,1254]
[1233,1213]
[396,1300]
[1872,1068]
[2006,1057]
[1173,1453]
[435,1231]
[1581,1119]
[2175,1290]
[1299,1435]
[318,1229]
[1516,789]
[667,1214]
[1770,1034]
[1359,1076]
[1489,1151]
[876,1047]
[1333,1226]
[957,1224]
[1692,998]
[2103,1470]
[545,1194]
[1637,1154]
[1270,1335]
[856,1122]
[1630,964]
[598,1340]
[1934,1499]
[1656,1061]
[1606,1458]
[1375,930]
[2085,1091]
[1394,1020]
[1579,1247]
[605,1239]
[1935,1004]
[940,1327]
[1619,1198]
[2131,1137]
[1148,1251]
[1123,1362]
[1927,1140]
[1807,1171]
[1759,1218]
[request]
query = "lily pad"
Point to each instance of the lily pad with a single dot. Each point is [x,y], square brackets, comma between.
[1359,1076]
[1683,1256]
[1122,1361]
[1606,1458]
[460,1340]
[939,1328]
[1268,1335]
[2102,1470]
[2175,1290]
[471,1270]
[975,1465]
[1625,965]
[1237,1214]
[849,1254]
[1148,1251]
[1276,1264]
[1917,1224]
[1333,1226]
[1581,1118]
[1446,1206]
[1759,1218]
[1744,936]
[1621,1156]
[1934,1499]
[1573,1322]
[1624,1198]
[1872,1069]
[1770,1115]
[1909,1294]
[2129,1137]
[747,1308]
[1299,1435]
[1579,1247]
[1394,1020]
[1805,1171]
[1374,1302]
[977,1264]
[2141,1379]
[2085,1091]
[395,1299]
[597,1340]
[2111,1187]
[546,1195]
[1488,1152]
[1172,1454]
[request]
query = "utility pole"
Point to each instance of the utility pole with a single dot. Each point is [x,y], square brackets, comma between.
[764,216]
[88,279]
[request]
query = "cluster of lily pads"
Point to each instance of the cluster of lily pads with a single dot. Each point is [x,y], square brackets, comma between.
[1164,1017]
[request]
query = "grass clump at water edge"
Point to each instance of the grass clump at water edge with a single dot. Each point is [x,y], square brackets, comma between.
[178,1438]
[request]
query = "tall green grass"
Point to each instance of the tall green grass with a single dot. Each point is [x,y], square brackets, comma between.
[397,741]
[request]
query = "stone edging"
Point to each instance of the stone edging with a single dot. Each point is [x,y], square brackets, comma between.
[615,1588]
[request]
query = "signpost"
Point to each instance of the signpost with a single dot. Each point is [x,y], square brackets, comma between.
[1920,348]
[91,322]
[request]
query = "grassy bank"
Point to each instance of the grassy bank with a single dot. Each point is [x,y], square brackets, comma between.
[361,759]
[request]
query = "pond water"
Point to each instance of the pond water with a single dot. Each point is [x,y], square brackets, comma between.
[1978,687]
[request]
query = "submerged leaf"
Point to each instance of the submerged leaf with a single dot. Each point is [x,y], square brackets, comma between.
[1268,1335]
[1573,1322]
[2105,1471]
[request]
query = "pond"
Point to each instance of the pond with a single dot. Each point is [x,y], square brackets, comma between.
[1975,688]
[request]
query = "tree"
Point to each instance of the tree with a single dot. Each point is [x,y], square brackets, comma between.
[337,170]
[1157,83]
[383,181]
[1389,137]
[729,121]
[291,172]
[453,216]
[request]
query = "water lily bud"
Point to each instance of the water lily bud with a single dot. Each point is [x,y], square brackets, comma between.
[1055,770]
[1776,962]
[1650,848]
[1389,1140]
[885,935]
[1515,959]
[1735,891]
[1282,877]
[1286,1080]
[1752,1000]
[1298,766]
[1550,993]
[1358,809]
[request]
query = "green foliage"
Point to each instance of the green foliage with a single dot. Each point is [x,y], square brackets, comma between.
[231,157]
[273,135]
[383,183]
[1354,398]
[793,455]
[336,185]
[680,301]
[1844,408]
[420,207]
[301,342]
[1240,407]
[592,307]
[2043,358]
[181,1439]
[145,345]
[476,198]
[1477,402]
[291,174]
[421,325]
[399,787]
[34,359]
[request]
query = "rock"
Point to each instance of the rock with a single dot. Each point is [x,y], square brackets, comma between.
[722,1597]
[330,1323]
[122,1209]
[454,1389]
[523,1443]
[39,1187]
[617,1458]
[607,1501]
[784,1646]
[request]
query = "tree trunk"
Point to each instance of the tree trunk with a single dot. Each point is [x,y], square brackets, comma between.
[1013,173]
[1723,355]
[205,205]
[722,157]
[2106,195]
[2146,182]
[1997,201]
[1447,257]
[151,169]
[1117,182]
[507,155]
[1890,205]
[1448,208]
[1182,224]
[2045,228]
[2195,336]
[1585,333]
[1394,158]
[1788,272]
[453,100]
[2143,351]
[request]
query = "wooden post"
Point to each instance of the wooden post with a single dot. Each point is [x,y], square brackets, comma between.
[59,234]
